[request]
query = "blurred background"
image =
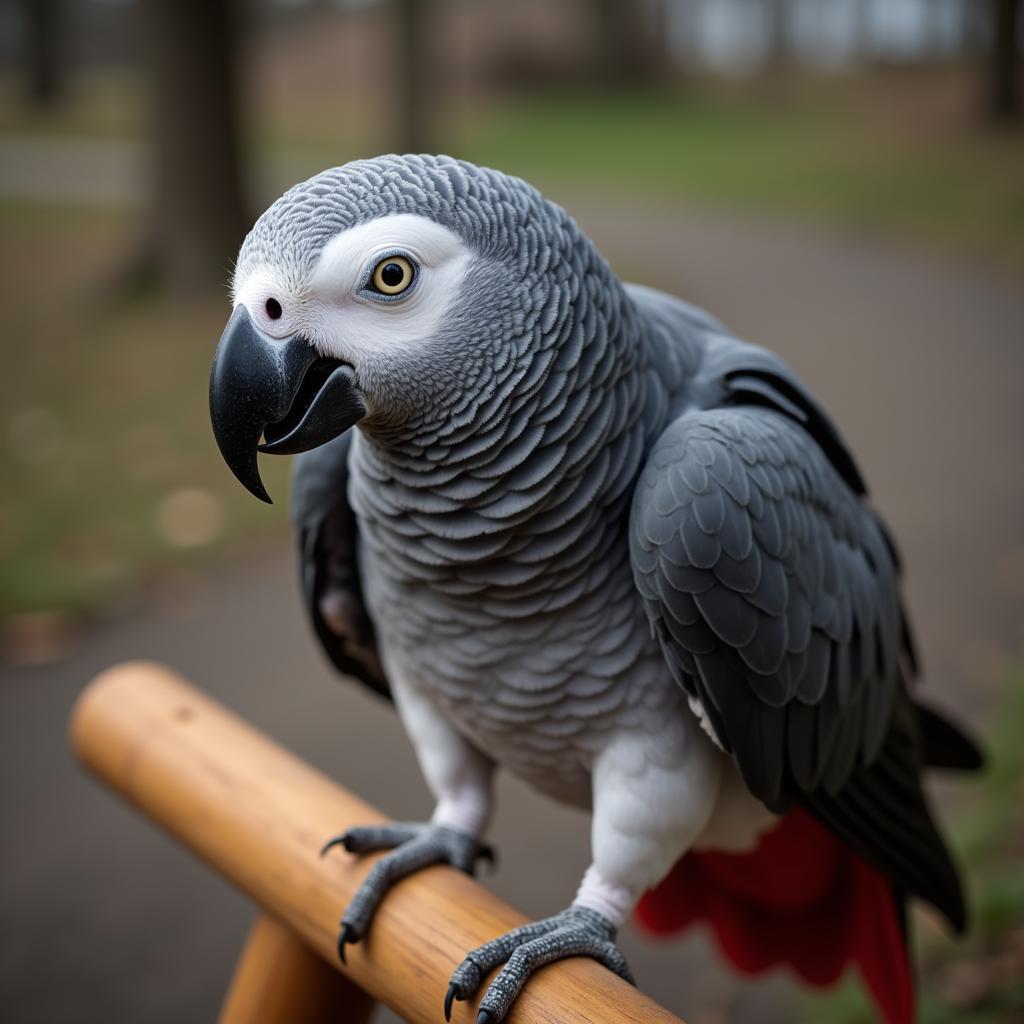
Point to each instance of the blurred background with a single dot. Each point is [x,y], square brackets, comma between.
[842,180]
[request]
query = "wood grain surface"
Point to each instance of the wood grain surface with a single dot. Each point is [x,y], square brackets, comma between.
[279,980]
[259,815]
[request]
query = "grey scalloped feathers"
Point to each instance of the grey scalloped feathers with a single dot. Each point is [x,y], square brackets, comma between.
[575,529]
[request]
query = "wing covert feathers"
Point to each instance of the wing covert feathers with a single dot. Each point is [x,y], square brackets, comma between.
[774,592]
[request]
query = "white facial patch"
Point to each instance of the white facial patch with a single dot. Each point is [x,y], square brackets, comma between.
[265,285]
[332,309]
[345,323]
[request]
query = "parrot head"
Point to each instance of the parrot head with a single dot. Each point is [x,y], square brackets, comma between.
[400,293]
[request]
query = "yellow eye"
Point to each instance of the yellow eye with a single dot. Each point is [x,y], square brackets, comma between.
[393,275]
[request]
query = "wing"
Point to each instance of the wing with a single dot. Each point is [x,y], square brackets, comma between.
[327,533]
[774,592]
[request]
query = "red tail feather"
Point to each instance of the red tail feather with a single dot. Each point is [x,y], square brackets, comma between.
[801,898]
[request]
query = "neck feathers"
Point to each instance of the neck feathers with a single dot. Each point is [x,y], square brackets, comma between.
[530,480]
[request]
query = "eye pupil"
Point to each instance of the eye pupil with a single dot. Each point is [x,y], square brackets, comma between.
[392,274]
[273,308]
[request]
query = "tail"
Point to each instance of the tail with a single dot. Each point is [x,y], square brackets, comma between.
[945,744]
[801,899]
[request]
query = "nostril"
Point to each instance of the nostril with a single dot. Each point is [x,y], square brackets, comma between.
[273,308]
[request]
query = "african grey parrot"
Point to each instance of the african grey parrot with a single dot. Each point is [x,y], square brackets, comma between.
[584,533]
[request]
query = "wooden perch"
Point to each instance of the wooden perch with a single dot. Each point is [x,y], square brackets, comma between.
[259,816]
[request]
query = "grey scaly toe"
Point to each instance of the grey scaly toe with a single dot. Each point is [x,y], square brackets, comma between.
[413,846]
[576,931]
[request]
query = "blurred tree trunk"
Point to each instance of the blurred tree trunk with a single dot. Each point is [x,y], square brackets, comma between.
[934,29]
[974,32]
[631,44]
[198,216]
[682,19]
[413,76]
[658,47]
[1005,101]
[43,20]
[864,30]
[779,32]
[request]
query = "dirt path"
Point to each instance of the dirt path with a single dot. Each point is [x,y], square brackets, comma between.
[921,362]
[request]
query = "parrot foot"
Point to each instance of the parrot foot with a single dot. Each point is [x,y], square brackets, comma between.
[414,846]
[577,931]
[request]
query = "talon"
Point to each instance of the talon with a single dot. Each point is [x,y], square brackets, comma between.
[453,994]
[341,840]
[485,1017]
[344,937]
[486,852]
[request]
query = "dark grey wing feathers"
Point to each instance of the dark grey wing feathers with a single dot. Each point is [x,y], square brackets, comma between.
[737,373]
[774,592]
[327,534]
[768,580]
[883,813]
[782,392]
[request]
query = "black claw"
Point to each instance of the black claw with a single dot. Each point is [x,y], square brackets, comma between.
[453,994]
[485,853]
[341,840]
[344,936]
[485,1017]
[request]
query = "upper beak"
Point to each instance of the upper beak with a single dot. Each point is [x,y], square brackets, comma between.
[280,390]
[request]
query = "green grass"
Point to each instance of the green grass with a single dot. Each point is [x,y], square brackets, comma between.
[100,104]
[904,154]
[818,159]
[889,155]
[102,417]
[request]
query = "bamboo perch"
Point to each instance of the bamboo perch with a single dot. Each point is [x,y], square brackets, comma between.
[259,816]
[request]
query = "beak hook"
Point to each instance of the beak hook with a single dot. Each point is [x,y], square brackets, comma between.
[284,388]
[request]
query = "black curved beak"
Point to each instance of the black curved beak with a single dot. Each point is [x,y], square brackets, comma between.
[282,391]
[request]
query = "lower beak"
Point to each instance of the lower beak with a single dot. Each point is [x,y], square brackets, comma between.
[281,391]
